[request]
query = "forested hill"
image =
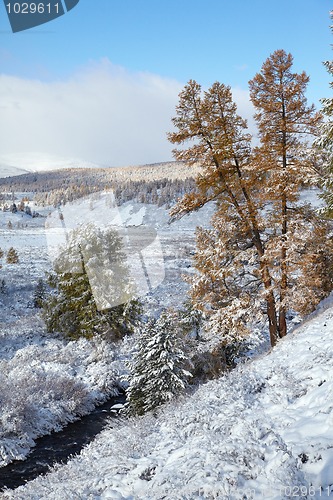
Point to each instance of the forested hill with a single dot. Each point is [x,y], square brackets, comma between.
[155,183]
[56,179]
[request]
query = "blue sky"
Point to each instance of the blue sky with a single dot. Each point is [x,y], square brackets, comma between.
[101,82]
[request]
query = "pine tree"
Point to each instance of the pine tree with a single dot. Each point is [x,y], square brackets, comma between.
[284,120]
[158,371]
[39,294]
[12,256]
[191,319]
[72,310]
[78,307]
[3,286]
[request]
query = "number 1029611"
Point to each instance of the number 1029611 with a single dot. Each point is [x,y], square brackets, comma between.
[32,8]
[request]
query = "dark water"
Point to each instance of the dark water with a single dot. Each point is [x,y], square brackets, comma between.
[58,446]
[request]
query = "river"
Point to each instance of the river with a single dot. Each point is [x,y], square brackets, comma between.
[59,447]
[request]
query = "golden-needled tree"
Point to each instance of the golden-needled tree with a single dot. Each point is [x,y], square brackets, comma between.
[259,255]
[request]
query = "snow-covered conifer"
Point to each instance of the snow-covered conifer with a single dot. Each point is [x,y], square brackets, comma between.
[3,286]
[92,291]
[158,370]
[191,319]
[39,294]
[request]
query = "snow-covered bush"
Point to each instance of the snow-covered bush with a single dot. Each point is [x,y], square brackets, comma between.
[45,385]
[12,256]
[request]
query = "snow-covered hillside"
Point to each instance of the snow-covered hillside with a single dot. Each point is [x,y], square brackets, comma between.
[16,164]
[9,171]
[263,431]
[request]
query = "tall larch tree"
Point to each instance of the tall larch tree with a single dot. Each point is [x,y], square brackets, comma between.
[285,122]
[222,146]
[266,252]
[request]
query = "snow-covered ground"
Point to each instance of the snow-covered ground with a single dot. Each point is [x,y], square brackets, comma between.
[263,431]
[46,382]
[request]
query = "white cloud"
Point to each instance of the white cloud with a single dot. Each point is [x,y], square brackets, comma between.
[244,107]
[102,114]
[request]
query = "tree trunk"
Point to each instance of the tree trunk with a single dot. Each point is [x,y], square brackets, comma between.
[284,229]
[282,323]
[267,282]
[272,320]
[271,309]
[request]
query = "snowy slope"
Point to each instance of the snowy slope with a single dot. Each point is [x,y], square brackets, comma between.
[263,431]
[9,171]
[45,382]
[35,162]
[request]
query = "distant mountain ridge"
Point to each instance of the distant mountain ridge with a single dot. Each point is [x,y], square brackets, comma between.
[159,184]
[10,171]
[15,164]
